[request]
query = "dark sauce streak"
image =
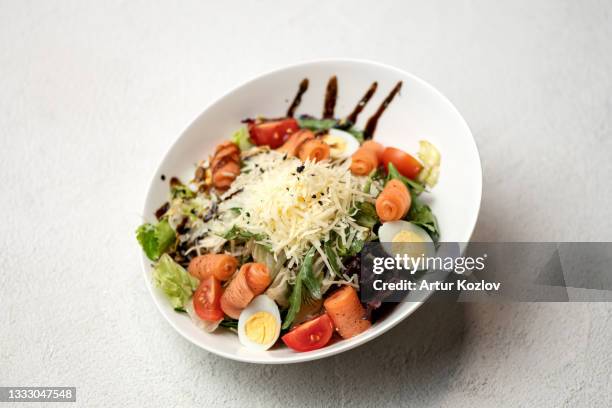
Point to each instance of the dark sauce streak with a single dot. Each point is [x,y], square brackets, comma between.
[162,210]
[235,193]
[352,118]
[368,133]
[182,227]
[174,182]
[330,98]
[212,211]
[298,97]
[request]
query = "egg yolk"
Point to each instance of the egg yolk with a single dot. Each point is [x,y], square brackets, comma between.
[337,145]
[261,328]
[408,243]
[407,236]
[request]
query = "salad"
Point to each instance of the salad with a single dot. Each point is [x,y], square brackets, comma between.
[265,240]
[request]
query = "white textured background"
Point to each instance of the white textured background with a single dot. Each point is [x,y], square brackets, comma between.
[91,95]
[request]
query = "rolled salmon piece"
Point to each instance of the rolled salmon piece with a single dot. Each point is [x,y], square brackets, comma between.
[375,147]
[251,280]
[225,154]
[257,276]
[393,202]
[225,175]
[315,150]
[237,295]
[295,141]
[363,161]
[347,313]
[225,165]
[221,266]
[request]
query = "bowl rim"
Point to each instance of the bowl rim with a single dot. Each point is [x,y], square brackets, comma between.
[390,321]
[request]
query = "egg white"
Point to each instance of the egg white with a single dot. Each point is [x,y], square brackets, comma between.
[351,143]
[390,230]
[261,303]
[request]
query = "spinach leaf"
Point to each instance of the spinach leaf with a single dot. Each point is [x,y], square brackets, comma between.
[420,214]
[229,323]
[312,283]
[332,258]
[374,175]
[366,215]
[356,246]
[357,134]
[353,249]
[307,122]
[295,302]
[304,277]
[314,124]
[415,187]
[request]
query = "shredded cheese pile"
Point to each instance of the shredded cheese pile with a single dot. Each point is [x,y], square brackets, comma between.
[295,205]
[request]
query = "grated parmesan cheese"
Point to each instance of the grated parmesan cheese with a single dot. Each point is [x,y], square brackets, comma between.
[294,205]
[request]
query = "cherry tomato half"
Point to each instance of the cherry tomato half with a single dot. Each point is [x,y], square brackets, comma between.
[310,335]
[207,300]
[273,133]
[407,165]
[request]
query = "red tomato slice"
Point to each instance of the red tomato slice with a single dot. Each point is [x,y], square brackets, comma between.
[273,133]
[310,335]
[407,165]
[207,300]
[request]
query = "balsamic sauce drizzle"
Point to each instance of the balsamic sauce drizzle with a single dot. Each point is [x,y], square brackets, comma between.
[162,210]
[352,118]
[330,98]
[368,133]
[298,98]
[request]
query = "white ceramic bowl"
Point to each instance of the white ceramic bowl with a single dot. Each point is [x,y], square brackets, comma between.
[419,112]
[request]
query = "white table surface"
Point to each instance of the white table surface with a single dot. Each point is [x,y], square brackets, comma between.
[92,94]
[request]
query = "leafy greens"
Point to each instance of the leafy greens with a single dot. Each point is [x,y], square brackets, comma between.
[241,139]
[174,281]
[415,187]
[316,125]
[155,239]
[305,277]
[421,215]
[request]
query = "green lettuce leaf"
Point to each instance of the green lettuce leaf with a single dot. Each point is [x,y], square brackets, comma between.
[430,157]
[237,233]
[174,281]
[241,139]
[155,239]
[180,190]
